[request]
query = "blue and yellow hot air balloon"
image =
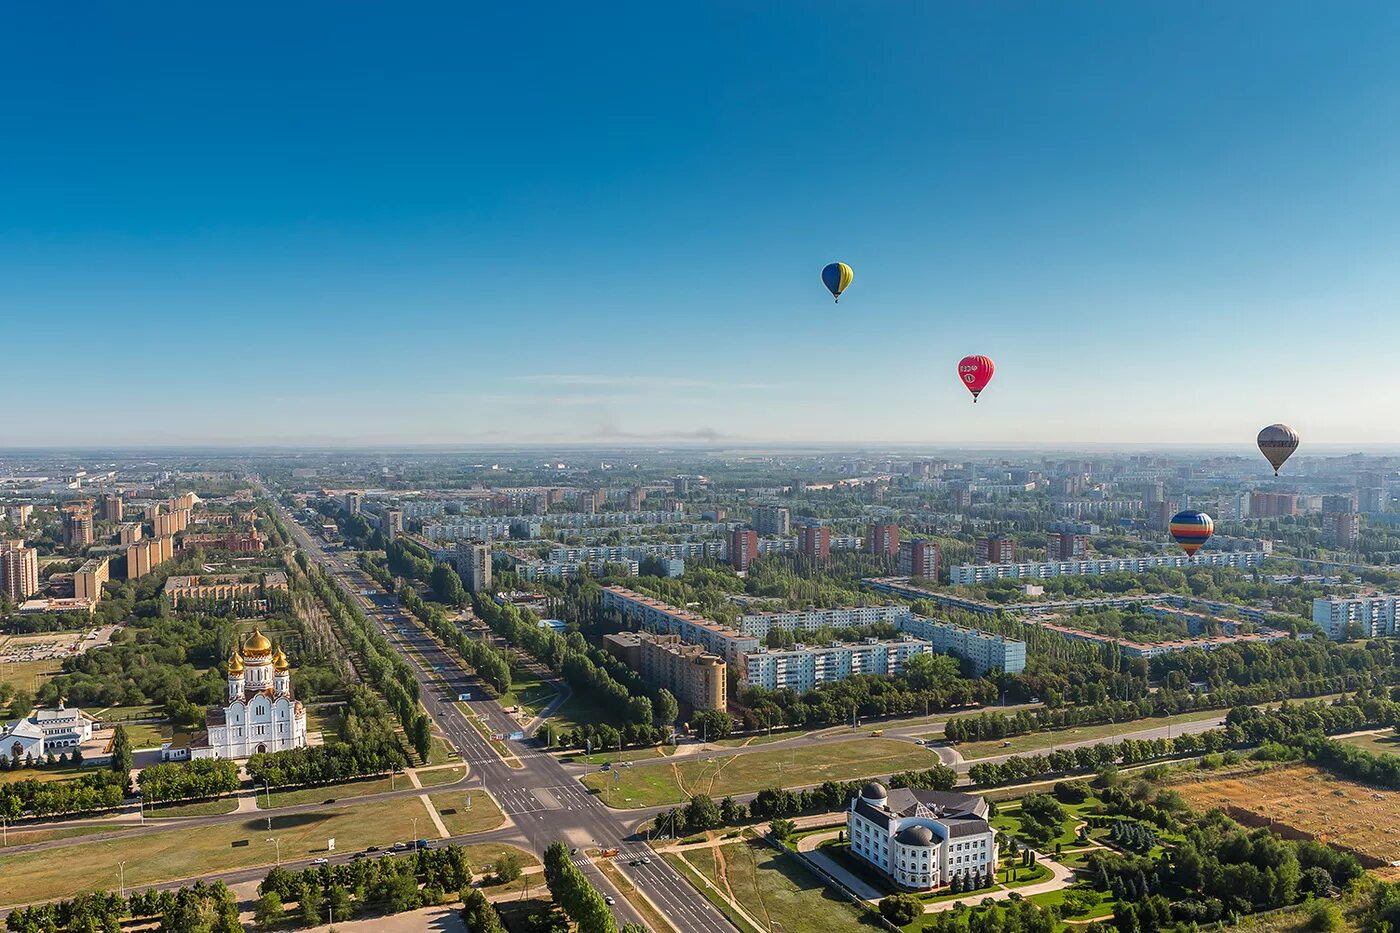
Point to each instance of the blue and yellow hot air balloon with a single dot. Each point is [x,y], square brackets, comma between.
[836,277]
[1191,530]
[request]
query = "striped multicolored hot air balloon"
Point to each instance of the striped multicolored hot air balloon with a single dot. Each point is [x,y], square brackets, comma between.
[836,277]
[1277,443]
[1191,530]
[975,372]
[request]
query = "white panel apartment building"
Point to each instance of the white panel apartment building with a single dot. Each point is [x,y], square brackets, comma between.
[921,839]
[810,620]
[968,574]
[803,667]
[1372,616]
[640,611]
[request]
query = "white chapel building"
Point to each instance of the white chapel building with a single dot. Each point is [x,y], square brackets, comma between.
[261,715]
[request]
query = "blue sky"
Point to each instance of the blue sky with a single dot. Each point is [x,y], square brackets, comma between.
[377,224]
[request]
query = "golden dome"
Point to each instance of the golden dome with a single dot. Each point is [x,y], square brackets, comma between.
[280,662]
[235,663]
[257,646]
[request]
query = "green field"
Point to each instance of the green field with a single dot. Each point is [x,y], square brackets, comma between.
[452,809]
[527,691]
[629,754]
[1383,743]
[29,675]
[1039,741]
[216,807]
[322,792]
[184,853]
[776,890]
[656,785]
[148,734]
[578,711]
[439,776]
[56,773]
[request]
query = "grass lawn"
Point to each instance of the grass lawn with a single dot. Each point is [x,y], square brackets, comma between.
[440,753]
[181,853]
[675,782]
[1383,743]
[148,734]
[1038,741]
[29,675]
[1023,875]
[216,807]
[578,711]
[325,720]
[119,713]
[631,754]
[461,819]
[55,773]
[527,691]
[321,792]
[440,776]
[1101,906]
[749,741]
[23,837]
[778,891]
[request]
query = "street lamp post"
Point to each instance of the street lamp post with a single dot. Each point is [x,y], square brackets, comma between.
[277,841]
[121,876]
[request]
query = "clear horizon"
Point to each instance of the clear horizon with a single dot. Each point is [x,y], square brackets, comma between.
[450,227]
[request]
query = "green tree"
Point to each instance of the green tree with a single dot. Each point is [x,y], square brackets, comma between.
[507,868]
[901,909]
[122,760]
[666,708]
[783,829]
[268,911]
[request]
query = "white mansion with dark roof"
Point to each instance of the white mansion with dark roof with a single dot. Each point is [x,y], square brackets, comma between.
[921,839]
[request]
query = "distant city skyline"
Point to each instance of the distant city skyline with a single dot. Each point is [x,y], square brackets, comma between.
[450,226]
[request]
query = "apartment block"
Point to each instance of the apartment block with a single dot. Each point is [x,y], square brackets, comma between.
[19,571]
[1061,546]
[919,558]
[88,579]
[743,548]
[772,521]
[802,667]
[996,549]
[130,532]
[474,564]
[111,508]
[692,674]
[145,555]
[637,611]
[812,620]
[984,651]
[816,543]
[1367,616]
[969,574]
[882,539]
[77,527]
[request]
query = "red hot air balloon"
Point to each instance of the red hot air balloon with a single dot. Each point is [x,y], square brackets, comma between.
[975,372]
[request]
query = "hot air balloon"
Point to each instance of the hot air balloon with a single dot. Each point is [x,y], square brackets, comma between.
[837,277]
[1277,443]
[1191,530]
[975,372]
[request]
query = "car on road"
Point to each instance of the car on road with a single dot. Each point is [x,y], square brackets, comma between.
[421,844]
[399,847]
[609,900]
[321,861]
[646,859]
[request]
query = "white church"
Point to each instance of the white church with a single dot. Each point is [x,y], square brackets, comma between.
[261,714]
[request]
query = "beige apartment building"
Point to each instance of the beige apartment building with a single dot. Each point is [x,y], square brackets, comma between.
[172,522]
[131,532]
[19,570]
[145,555]
[88,579]
[690,672]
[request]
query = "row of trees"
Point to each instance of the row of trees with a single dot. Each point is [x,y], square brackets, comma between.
[366,744]
[1298,725]
[203,777]
[95,790]
[579,900]
[363,886]
[492,666]
[199,908]
[378,663]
